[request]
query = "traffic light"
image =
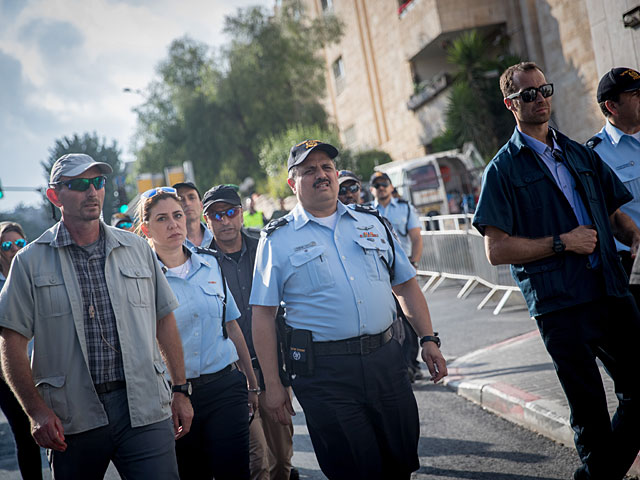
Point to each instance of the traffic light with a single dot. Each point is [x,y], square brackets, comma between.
[1,191]
[124,208]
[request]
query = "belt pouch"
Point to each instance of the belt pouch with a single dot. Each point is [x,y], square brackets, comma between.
[301,352]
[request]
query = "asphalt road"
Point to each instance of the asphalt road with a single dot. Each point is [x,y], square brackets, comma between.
[459,440]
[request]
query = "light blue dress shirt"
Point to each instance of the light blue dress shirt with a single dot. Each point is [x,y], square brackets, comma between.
[564,179]
[199,317]
[333,281]
[207,236]
[396,213]
[622,153]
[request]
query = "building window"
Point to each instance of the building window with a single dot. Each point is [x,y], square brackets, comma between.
[338,74]
[327,5]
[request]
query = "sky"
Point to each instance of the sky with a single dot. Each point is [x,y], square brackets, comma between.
[64,65]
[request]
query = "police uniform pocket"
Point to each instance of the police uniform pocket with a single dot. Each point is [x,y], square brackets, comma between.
[138,284]
[312,267]
[374,251]
[51,295]
[54,394]
[214,299]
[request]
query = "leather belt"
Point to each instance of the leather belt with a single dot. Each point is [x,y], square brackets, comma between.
[210,377]
[108,387]
[363,345]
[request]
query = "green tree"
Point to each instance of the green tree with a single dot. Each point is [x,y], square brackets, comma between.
[99,150]
[475,111]
[216,108]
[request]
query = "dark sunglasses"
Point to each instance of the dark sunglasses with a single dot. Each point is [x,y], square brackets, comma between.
[6,246]
[351,188]
[380,185]
[218,216]
[82,184]
[124,225]
[530,94]
[155,191]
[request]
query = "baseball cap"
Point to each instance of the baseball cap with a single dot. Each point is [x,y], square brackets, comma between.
[187,185]
[220,194]
[379,176]
[346,175]
[616,81]
[300,151]
[73,164]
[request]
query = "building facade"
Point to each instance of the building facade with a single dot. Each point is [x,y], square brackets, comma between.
[388,78]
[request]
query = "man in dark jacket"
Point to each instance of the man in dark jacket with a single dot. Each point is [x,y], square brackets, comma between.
[271,443]
[550,207]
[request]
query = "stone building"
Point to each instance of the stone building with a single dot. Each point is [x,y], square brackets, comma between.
[387,79]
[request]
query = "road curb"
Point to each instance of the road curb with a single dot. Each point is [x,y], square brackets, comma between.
[526,409]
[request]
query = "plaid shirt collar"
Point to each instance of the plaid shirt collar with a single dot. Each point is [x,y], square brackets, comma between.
[62,237]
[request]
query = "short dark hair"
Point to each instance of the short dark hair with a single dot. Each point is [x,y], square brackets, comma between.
[506,79]
[603,106]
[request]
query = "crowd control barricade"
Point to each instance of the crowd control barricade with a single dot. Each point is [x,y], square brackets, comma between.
[453,249]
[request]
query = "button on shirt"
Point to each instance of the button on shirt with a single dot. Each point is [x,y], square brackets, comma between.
[564,180]
[396,212]
[622,153]
[333,281]
[199,317]
[207,236]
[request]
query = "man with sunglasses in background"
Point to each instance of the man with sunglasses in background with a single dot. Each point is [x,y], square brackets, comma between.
[122,221]
[198,235]
[549,207]
[99,306]
[270,443]
[618,143]
[406,224]
[349,187]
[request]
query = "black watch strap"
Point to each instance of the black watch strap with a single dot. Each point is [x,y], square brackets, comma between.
[431,338]
[558,244]
[185,389]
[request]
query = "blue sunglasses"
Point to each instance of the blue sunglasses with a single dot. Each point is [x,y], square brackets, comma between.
[155,191]
[6,246]
[218,216]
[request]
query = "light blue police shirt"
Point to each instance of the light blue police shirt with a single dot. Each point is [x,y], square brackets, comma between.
[207,236]
[199,317]
[622,153]
[333,281]
[396,213]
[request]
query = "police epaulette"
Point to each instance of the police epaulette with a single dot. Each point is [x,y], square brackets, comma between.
[273,225]
[206,251]
[593,141]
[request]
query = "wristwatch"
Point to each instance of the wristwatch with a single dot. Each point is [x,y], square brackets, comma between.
[431,338]
[558,244]
[185,389]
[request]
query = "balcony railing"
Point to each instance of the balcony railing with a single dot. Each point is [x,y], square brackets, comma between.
[428,90]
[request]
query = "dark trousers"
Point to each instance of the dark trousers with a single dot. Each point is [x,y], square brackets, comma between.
[26,447]
[609,329]
[362,415]
[627,263]
[137,453]
[218,443]
[410,346]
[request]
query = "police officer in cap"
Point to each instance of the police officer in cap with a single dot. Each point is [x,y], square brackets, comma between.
[349,187]
[335,267]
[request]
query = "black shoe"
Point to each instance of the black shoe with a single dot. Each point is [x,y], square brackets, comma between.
[581,474]
[294,474]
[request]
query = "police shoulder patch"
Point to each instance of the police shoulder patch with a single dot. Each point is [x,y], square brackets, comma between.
[593,141]
[273,225]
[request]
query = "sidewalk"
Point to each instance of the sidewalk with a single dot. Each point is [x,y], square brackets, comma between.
[516,380]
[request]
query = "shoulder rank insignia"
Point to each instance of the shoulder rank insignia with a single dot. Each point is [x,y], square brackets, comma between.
[273,225]
[593,141]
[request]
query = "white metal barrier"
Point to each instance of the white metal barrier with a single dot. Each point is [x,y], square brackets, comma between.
[453,249]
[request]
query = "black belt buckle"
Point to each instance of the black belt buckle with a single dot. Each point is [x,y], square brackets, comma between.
[366,344]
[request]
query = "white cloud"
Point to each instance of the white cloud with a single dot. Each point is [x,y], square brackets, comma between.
[64,63]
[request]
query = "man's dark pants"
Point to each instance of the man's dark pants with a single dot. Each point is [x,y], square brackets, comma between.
[137,453]
[609,329]
[362,415]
